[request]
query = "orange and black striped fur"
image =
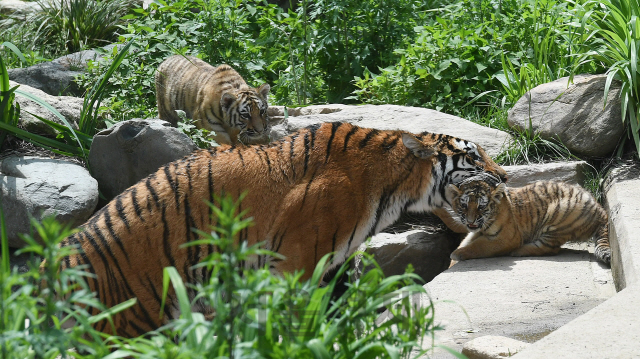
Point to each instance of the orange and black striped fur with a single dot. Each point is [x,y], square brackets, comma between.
[323,189]
[533,220]
[217,98]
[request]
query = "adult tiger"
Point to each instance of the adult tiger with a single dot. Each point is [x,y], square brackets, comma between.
[217,98]
[323,189]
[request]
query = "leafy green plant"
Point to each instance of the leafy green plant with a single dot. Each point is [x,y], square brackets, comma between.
[47,311]
[200,136]
[613,27]
[70,141]
[9,111]
[75,25]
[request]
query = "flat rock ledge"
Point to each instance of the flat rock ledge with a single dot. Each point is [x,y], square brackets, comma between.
[393,117]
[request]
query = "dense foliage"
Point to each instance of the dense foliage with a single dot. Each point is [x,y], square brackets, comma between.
[472,58]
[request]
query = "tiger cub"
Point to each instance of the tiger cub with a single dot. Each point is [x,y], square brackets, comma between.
[529,221]
[217,98]
[323,189]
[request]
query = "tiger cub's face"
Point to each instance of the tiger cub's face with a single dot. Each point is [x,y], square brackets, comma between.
[475,202]
[247,111]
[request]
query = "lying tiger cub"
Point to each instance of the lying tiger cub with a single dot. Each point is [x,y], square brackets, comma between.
[529,221]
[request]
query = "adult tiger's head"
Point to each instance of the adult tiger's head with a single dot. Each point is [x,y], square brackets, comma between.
[247,111]
[475,200]
[453,159]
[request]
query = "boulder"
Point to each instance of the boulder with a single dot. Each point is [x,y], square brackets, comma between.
[51,77]
[421,240]
[570,172]
[392,117]
[131,150]
[573,114]
[17,8]
[492,347]
[33,187]
[56,77]
[68,106]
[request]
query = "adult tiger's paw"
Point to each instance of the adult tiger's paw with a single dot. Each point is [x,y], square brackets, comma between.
[459,254]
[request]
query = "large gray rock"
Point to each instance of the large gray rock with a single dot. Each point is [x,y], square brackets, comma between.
[51,77]
[392,117]
[40,187]
[421,240]
[427,252]
[17,8]
[570,172]
[575,114]
[69,107]
[57,76]
[131,150]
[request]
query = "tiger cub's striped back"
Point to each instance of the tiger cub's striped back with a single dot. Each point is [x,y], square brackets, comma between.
[217,98]
[536,219]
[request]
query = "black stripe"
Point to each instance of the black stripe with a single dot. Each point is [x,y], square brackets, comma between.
[333,242]
[210,198]
[173,184]
[136,205]
[154,195]
[293,139]
[166,238]
[114,236]
[188,170]
[348,136]
[388,146]
[241,158]
[280,241]
[368,137]
[306,153]
[121,214]
[334,129]
[351,240]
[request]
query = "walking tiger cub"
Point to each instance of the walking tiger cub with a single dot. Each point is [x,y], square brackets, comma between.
[323,189]
[217,98]
[528,221]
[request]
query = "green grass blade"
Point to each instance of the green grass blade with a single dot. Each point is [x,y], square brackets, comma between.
[51,109]
[15,50]
[111,311]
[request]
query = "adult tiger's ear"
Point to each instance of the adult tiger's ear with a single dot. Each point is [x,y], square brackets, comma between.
[226,101]
[263,90]
[451,191]
[418,148]
[499,192]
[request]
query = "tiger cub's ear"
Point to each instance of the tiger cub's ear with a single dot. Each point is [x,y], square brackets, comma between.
[226,101]
[263,90]
[451,191]
[499,192]
[417,147]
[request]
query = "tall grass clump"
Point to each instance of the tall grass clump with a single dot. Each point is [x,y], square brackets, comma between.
[74,25]
[613,28]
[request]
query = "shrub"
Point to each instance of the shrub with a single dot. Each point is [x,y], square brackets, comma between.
[74,25]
